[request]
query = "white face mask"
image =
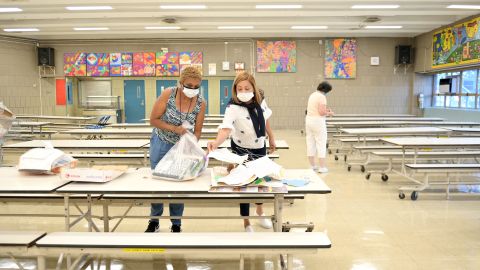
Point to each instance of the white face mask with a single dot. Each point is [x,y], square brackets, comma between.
[245,97]
[190,93]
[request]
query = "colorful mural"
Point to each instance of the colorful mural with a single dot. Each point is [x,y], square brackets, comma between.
[149,62]
[115,64]
[167,64]
[75,64]
[191,59]
[130,64]
[276,56]
[340,58]
[457,45]
[127,64]
[98,64]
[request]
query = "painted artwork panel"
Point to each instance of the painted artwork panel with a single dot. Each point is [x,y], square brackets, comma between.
[185,58]
[138,64]
[196,57]
[149,63]
[457,45]
[167,58]
[115,64]
[167,70]
[98,64]
[276,56]
[75,64]
[127,64]
[341,58]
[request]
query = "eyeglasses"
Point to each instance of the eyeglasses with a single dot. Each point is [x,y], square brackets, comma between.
[192,87]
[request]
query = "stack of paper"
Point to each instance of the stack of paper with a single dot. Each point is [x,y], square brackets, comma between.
[94,174]
[225,155]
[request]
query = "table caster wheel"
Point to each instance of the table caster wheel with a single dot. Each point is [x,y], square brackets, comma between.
[362,168]
[414,196]
[401,195]
[336,157]
[349,168]
[384,177]
[367,176]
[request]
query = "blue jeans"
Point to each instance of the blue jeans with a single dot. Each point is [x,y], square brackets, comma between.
[158,149]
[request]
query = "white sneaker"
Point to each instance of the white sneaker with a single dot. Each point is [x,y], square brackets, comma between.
[323,170]
[265,222]
[315,169]
[249,228]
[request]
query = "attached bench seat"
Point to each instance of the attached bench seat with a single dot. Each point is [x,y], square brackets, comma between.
[364,148]
[433,154]
[216,240]
[354,140]
[19,238]
[474,167]
[165,243]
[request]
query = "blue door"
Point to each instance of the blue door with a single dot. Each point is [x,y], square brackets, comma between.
[134,95]
[225,94]
[164,84]
[204,93]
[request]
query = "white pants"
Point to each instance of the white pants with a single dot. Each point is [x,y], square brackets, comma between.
[316,131]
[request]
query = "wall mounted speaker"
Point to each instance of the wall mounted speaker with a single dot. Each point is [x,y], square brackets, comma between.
[46,57]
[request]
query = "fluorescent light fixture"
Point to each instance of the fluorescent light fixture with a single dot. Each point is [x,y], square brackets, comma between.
[10,9]
[21,30]
[234,27]
[278,6]
[383,27]
[90,28]
[89,8]
[162,27]
[464,6]
[183,7]
[309,27]
[374,6]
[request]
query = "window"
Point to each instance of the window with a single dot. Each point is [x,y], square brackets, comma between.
[464,90]
[469,88]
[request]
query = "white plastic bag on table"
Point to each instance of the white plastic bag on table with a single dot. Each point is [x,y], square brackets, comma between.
[185,160]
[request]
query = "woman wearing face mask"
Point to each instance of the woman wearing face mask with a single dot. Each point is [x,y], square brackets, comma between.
[176,111]
[316,127]
[245,119]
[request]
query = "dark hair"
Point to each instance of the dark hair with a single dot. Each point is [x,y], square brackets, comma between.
[324,87]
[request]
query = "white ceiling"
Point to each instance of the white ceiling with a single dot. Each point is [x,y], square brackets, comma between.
[128,18]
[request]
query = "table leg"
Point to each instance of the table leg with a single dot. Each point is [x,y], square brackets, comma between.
[415,154]
[41,264]
[89,212]
[106,227]
[66,207]
[289,261]
[242,262]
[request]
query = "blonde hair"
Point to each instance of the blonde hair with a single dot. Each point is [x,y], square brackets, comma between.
[245,76]
[190,73]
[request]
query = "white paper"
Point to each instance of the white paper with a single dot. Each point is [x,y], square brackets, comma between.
[212,69]
[239,176]
[225,65]
[225,155]
[263,167]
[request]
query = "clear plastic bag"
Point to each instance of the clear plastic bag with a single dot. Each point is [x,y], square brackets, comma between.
[185,161]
